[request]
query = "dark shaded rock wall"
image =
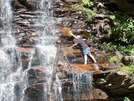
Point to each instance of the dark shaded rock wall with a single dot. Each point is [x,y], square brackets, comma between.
[122,5]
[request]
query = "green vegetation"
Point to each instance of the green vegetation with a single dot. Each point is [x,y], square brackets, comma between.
[121,39]
[108,46]
[113,47]
[122,34]
[128,69]
[112,17]
[126,99]
[85,7]
[114,59]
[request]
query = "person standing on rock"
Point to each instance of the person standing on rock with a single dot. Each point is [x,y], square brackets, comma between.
[84,47]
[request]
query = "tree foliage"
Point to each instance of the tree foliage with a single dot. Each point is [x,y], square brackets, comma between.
[124,32]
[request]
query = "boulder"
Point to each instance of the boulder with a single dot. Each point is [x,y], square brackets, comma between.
[35,92]
[117,85]
[37,75]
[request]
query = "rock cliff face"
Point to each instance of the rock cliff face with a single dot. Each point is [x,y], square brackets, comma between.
[116,85]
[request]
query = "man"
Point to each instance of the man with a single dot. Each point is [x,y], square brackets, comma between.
[84,47]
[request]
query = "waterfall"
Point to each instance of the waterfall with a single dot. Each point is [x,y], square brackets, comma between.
[46,45]
[46,42]
[18,78]
[5,17]
[82,86]
[79,87]
[7,53]
[14,81]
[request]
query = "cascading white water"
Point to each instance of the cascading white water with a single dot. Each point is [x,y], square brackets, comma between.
[82,86]
[11,68]
[7,43]
[11,71]
[46,30]
[5,17]
[46,44]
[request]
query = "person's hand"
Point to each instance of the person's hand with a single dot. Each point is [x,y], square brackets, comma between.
[71,33]
[71,47]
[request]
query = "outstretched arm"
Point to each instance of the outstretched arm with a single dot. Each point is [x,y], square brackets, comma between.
[73,35]
[73,45]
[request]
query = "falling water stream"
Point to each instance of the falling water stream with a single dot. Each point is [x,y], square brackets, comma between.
[6,52]
[11,69]
[82,86]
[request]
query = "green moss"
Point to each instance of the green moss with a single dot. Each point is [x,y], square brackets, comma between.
[128,69]
[114,59]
